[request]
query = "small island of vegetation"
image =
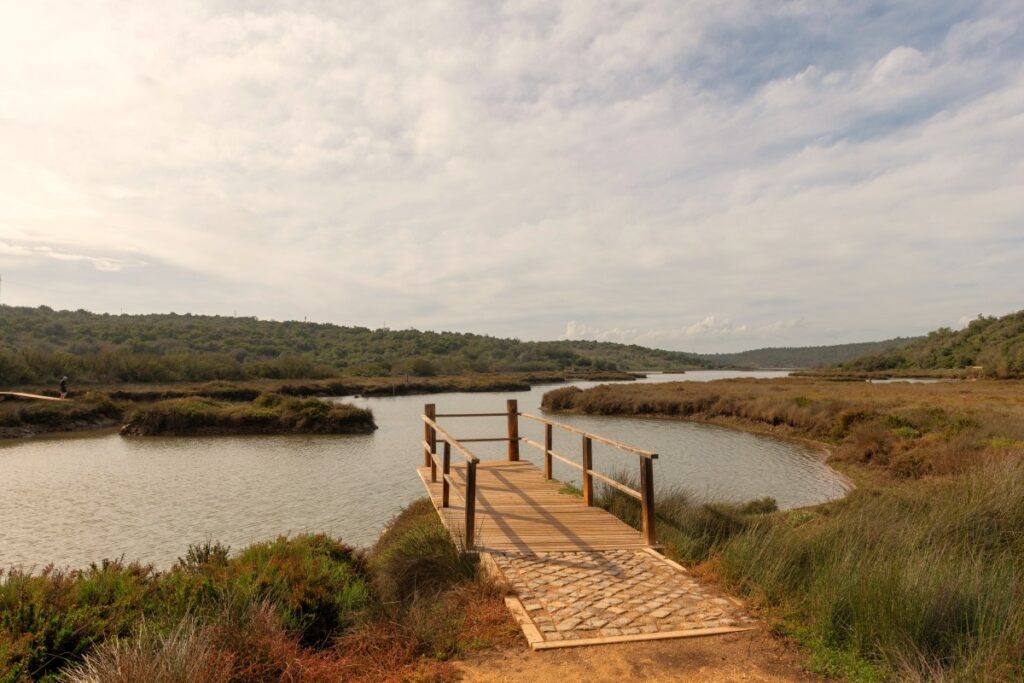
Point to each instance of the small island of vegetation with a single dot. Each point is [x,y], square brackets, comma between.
[268,414]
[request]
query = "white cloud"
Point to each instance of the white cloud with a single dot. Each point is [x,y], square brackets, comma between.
[37,252]
[505,167]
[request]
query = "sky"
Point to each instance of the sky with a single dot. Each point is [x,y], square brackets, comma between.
[705,176]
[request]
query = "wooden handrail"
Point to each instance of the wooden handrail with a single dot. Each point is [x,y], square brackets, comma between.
[617,484]
[610,442]
[471,415]
[466,453]
[431,432]
[555,454]
[646,493]
[496,438]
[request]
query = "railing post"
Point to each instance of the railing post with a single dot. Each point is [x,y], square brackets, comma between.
[647,500]
[513,429]
[430,436]
[445,465]
[470,503]
[547,451]
[588,464]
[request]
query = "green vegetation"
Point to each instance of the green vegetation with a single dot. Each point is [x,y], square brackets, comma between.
[917,573]
[306,608]
[38,345]
[268,414]
[806,356]
[989,346]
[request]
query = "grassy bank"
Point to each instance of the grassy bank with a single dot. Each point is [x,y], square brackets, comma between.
[916,575]
[904,430]
[268,414]
[306,608]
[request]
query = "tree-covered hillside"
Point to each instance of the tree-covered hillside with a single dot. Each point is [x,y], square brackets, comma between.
[805,356]
[993,346]
[39,344]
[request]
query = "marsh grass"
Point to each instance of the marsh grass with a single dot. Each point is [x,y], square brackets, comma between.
[416,558]
[181,655]
[267,414]
[908,431]
[918,582]
[690,530]
[925,580]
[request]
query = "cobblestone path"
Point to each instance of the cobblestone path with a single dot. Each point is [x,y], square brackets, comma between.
[570,598]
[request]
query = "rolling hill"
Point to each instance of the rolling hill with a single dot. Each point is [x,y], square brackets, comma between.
[39,344]
[989,346]
[805,356]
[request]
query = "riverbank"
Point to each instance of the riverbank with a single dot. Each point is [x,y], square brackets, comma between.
[102,407]
[912,576]
[304,608]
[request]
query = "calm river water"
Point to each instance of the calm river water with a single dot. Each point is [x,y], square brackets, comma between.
[78,500]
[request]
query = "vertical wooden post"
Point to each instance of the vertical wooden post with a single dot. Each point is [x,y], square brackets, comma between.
[547,451]
[429,435]
[445,466]
[470,503]
[647,499]
[513,429]
[588,464]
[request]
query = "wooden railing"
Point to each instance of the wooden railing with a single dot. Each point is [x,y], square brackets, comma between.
[433,434]
[646,460]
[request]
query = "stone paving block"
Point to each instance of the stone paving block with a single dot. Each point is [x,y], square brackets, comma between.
[570,596]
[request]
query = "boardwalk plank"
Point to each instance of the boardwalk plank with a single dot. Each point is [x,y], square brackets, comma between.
[517,509]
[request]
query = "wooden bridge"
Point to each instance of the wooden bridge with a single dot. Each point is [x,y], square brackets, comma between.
[18,395]
[512,505]
[580,575]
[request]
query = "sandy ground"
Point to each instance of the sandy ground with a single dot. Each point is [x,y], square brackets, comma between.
[750,656]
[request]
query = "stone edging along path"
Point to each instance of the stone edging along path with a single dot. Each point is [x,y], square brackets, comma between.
[566,599]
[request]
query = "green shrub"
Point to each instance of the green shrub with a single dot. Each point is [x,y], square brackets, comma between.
[416,557]
[57,616]
[316,583]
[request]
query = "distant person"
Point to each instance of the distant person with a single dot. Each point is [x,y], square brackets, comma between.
[64,387]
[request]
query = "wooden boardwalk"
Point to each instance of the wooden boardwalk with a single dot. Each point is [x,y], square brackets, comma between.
[517,509]
[577,574]
[28,397]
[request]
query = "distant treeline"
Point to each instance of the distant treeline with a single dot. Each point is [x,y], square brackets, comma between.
[806,356]
[40,344]
[988,346]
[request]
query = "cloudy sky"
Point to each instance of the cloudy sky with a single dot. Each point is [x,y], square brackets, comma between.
[706,176]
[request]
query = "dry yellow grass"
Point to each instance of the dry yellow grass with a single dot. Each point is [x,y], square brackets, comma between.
[911,430]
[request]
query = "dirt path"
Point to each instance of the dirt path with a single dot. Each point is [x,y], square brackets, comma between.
[751,656]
